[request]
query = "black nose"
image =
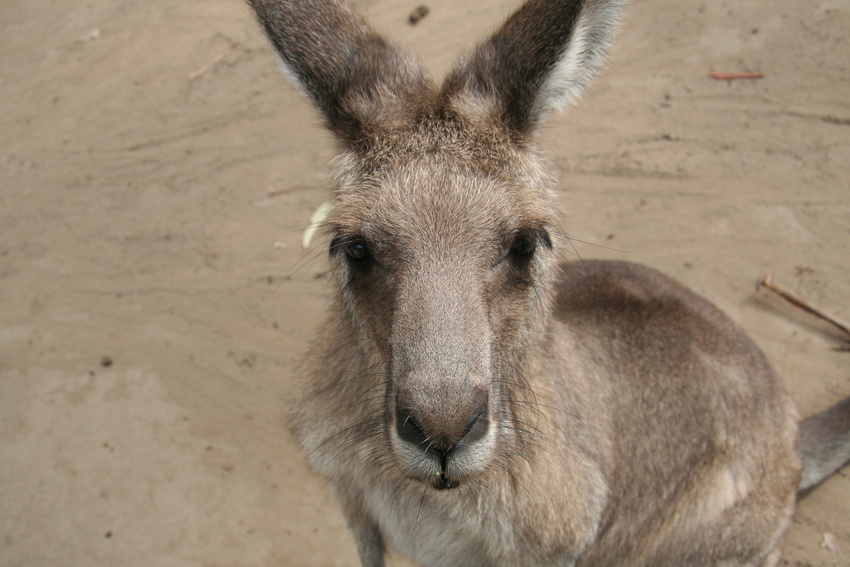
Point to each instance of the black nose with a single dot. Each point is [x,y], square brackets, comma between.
[438,436]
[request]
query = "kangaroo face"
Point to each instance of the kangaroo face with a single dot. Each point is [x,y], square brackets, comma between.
[442,260]
[441,235]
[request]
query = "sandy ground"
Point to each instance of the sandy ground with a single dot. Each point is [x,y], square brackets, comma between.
[154,296]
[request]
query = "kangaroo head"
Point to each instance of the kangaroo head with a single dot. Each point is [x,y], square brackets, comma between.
[441,233]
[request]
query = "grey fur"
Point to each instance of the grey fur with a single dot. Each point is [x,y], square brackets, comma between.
[471,400]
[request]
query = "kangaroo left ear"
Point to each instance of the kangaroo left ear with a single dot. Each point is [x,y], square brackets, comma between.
[355,77]
[539,61]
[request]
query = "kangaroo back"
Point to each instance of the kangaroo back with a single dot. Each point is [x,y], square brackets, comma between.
[470,399]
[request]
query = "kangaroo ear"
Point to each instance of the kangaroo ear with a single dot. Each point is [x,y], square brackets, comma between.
[540,60]
[354,77]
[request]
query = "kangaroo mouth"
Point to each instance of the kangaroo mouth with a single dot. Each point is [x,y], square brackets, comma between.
[443,482]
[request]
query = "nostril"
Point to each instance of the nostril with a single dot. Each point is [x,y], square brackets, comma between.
[476,427]
[410,429]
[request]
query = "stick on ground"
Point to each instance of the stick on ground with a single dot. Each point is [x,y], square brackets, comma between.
[766,282]
[213,61]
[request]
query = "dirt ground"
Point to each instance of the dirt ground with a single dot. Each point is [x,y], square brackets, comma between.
[154,295]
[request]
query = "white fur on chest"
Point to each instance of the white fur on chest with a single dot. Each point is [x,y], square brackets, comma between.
[446,528]
[439,528]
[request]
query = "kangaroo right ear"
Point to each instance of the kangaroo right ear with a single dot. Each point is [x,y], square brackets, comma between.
[540,60]
[354,77]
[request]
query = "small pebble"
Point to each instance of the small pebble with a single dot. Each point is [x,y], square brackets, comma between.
[417,14]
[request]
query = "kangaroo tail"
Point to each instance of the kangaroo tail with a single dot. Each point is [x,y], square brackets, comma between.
[824,444]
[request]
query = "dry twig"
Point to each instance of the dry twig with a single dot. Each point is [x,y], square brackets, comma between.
[732,76]
[766,282]
[213,61]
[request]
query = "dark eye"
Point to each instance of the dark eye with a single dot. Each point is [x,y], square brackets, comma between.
[356,249]
[524,245]
[353,247]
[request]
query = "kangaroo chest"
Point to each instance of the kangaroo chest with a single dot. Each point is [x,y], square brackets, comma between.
[450,528]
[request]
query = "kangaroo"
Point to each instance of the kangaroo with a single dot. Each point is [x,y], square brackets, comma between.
[471,400]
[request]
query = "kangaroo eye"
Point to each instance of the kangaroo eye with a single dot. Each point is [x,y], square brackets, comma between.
[524,245]
[353,246]
[356,249]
